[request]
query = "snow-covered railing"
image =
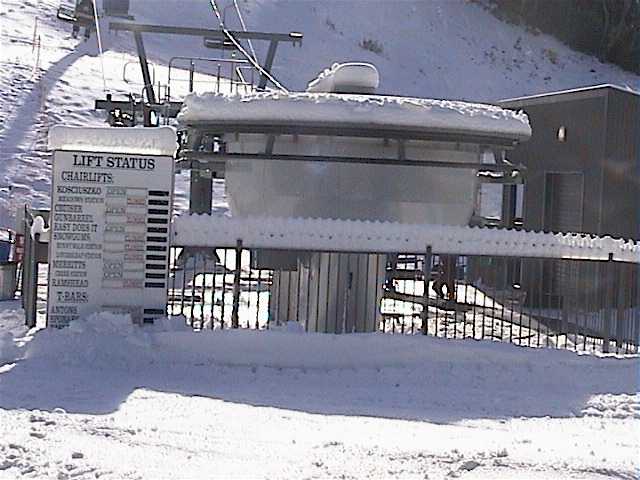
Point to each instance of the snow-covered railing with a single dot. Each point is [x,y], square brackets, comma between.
[381,237]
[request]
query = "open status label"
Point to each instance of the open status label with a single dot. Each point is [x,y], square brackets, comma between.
[109,243]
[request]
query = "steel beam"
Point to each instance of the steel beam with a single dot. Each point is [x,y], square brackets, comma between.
[144,65]
[509,198]
[201,191]
[211,161]
[350,130]
[173,108]
[268,63]
[293,37]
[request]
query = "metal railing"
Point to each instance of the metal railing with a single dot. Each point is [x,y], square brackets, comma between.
[230,74]
[582,305]
[573,304]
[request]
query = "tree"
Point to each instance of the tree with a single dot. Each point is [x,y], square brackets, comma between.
[621,22]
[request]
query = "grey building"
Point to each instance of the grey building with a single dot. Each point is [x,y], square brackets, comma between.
[583,161]
[583,175]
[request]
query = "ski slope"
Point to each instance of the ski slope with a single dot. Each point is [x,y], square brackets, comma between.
[443,49]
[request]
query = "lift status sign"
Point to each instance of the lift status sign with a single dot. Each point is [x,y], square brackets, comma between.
[109,240]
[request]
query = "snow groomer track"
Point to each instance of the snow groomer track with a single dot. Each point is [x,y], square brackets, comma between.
[388,237]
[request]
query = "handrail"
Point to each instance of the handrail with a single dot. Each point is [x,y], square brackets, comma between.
[219,61]
[124,73]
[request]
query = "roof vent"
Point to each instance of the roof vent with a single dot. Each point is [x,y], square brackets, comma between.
[352,77]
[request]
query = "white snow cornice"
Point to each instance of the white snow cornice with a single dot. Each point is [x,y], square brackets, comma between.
[141,141]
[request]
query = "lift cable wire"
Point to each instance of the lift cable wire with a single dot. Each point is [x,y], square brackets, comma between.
[99,36]
[244,29]
[221,21]
[237,44]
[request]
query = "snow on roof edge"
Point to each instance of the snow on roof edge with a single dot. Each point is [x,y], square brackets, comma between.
[142,141]
[371,111]
[588,88]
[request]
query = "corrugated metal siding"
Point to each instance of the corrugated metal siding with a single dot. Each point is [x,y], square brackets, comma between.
[564,193]
[621,167]
[563,213]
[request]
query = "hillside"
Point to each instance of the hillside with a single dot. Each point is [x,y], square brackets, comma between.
[440,49]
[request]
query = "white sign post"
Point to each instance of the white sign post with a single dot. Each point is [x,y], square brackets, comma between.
[110,223]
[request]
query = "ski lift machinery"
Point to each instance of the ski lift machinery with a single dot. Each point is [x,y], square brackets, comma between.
[340,152]
[355,153]
[337,160]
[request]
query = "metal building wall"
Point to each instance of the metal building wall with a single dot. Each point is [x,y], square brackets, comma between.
[620,209]
[584,118]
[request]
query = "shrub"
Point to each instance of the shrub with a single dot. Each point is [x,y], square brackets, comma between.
[371,45]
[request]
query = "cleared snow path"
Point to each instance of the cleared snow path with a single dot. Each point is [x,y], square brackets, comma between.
[103,399]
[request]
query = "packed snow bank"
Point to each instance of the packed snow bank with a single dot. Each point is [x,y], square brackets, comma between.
[356,77]
[372,111]
[143,141]
[105,398]
[12,331]
[287,346]
[39,227]
[8,349]
[479,370]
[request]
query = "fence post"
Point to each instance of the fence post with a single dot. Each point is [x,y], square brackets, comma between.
[191,76]
[236,286]
[610,303]
[562,293]
[620,289]
[30,277]
[426,271]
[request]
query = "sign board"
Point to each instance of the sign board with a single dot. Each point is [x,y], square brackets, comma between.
[109,241]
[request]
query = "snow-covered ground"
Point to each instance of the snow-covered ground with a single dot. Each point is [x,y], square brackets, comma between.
[104,399]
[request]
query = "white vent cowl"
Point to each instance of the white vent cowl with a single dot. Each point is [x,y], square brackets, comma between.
[352,77]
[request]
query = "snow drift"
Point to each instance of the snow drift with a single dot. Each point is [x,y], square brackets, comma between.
[119,401]
[469,371]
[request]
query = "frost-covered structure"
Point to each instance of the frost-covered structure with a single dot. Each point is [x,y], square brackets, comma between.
[142,141]
[375,112]
[335,152]
[375,138]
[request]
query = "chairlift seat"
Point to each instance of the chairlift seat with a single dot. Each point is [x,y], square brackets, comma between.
[67,14]
[219,44]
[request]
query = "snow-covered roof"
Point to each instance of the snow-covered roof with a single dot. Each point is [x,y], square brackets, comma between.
[353,110]
[591,88]
[142,141]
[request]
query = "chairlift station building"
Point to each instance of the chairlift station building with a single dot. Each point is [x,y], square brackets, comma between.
[583,161]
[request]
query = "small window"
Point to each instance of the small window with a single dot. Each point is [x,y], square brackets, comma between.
[562,134]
